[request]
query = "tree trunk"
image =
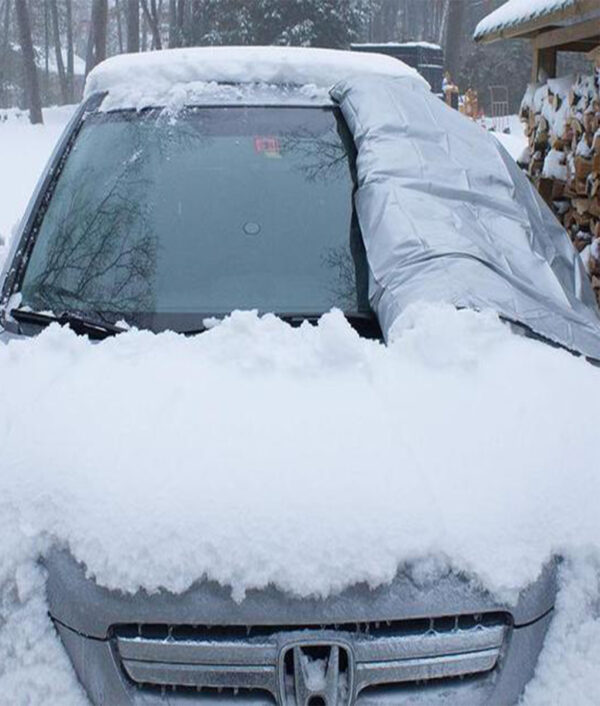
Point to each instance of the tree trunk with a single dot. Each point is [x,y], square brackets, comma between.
[60,66]
[70,53]
[144,43]
[6,28]
[97,38]
[454,36]
[384,25]
[176,22]
[133,26]
[101,30]
[32,86]
[46,52]
[443,22]
[119,25]
[153,20]
[173,34]
[4,55]
[181,8]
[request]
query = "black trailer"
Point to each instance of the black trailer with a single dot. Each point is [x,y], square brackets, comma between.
[427,58]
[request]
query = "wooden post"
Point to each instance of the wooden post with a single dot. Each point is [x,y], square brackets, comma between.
[544,59]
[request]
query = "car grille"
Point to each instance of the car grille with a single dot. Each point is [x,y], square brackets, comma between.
[246,661]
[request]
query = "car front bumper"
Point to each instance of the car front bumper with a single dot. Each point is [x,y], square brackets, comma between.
[446,642]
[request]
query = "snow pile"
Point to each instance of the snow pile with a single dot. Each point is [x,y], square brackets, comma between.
[514,140]
[25,149]
[174,98]
[555,166]
[162,459]
[514,12]
[150,78]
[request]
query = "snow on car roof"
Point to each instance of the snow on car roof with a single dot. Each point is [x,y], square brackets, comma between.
[515,12]
[152,77]
[396,45]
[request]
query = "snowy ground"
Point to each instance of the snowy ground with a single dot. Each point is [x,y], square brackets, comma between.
[465,422]
[514,141]
[24,151]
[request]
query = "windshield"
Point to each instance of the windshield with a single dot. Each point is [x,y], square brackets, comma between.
[166,220]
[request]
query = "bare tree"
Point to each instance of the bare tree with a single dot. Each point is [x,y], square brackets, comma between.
[144,40]
[70,52]
[454,36]
[133,25]
[60,66]
[4,45]
[152,15]
[176,22]
[119,26]
[173,33]
[6,26]
[384,26]
[97,38]
[46,52]
[31,83]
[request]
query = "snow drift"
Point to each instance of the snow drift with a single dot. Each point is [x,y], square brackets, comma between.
[159,460]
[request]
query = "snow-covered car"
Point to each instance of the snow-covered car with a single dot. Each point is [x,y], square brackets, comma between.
[191,184]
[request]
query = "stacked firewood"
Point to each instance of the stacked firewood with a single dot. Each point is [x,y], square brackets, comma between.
[562,122]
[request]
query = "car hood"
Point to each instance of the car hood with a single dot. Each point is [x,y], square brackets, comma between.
[72,594]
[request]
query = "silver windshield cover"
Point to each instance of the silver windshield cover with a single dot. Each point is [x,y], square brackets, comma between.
[447,215]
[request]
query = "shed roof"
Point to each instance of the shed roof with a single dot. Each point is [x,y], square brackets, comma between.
[523,18]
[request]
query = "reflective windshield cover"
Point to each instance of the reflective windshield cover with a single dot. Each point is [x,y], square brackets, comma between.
[156,218]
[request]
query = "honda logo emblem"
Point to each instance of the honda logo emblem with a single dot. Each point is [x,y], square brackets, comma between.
[316,674]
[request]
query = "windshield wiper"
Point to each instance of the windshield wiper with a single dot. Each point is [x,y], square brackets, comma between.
[79,324]
[364,323]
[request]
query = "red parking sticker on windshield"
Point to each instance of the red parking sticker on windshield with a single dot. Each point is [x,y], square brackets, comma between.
[269,146]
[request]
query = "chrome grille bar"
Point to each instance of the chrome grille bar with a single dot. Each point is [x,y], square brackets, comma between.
[424,668]
[197,652]
[429,645]
[202,675]
[392,656]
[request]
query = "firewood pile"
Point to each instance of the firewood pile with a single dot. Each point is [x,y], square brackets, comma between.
[562,122]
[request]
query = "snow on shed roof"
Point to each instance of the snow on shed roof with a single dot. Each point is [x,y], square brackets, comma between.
[162,70]
[515,12]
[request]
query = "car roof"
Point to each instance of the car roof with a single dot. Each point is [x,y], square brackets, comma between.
[229,74]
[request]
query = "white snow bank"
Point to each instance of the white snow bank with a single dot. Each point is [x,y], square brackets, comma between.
[152,76]
[570,662]
[24,150]
[162,459]
[514,141]
[555,166]
[516,11]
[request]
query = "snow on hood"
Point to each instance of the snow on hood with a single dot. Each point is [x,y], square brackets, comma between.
[307,458]
[151,77]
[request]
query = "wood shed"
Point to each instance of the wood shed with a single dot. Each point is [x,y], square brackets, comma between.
[561,115]
[551,26]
